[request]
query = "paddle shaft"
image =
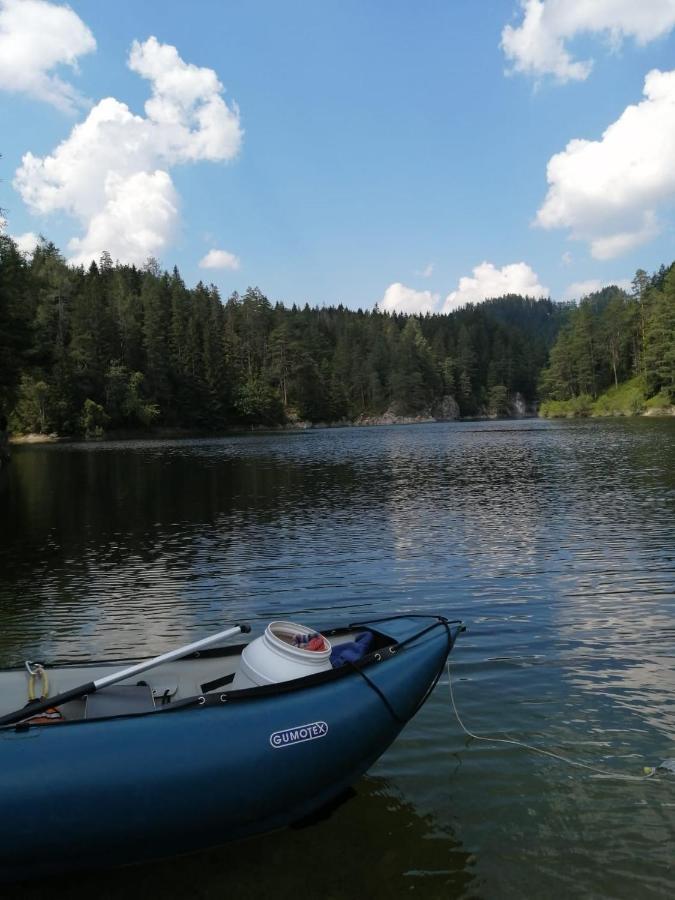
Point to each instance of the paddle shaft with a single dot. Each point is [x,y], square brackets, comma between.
[166,657]
[93,686]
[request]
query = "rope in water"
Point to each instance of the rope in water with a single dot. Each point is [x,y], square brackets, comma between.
[524,746]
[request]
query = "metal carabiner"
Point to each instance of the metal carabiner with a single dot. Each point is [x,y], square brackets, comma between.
[36,671]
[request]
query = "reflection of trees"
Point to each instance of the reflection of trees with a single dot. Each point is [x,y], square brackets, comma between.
[375,845]
[163,538]
[104,540]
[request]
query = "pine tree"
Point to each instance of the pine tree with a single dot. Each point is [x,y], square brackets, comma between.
[660,339]
[15,315]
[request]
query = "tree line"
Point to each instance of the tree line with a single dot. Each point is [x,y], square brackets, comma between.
[612,337]
[116,347]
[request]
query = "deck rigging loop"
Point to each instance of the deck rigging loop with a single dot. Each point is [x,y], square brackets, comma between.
[441,622]
[371,684]
[649,772]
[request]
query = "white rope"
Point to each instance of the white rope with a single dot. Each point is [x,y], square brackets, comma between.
[570,762]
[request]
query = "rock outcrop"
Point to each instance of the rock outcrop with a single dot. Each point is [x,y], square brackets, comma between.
[521,409]
[660,411]
[392,417]
[446,410]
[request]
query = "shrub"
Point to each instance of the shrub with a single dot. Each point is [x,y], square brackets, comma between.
[627,399]
[93,419]
[580,406]
[662,400]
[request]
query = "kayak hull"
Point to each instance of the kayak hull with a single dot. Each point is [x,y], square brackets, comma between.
[117,791]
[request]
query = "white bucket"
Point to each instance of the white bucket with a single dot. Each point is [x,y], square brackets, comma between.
[273,657]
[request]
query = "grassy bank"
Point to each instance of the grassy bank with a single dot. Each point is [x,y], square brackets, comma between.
[627,399]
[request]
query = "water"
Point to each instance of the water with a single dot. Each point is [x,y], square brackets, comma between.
[555,542]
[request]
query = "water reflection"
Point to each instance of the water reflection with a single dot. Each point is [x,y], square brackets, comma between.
[374,845]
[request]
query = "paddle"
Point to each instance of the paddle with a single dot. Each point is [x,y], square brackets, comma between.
[93,686]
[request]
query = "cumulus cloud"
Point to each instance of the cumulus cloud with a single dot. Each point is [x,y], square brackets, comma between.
[488,281]
[112,171]
[607,192]
[26,242]
[219,259]
[579,289]
[136,219]
[402,299]
[35,38]
[189,118]
[538,45]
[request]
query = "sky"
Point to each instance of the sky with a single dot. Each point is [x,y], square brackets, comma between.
[418,156]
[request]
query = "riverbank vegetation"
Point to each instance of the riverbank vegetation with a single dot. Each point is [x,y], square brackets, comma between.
[615,354]
[115,347]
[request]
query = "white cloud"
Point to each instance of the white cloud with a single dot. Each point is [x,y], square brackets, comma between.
[580,289]
[219,259]
[538,45]
[399,298]
[622,241]
[189,117]
[112,172]
[488,282]
[136,220]
[607,192]
[26,242]
[35,38]
[566,259]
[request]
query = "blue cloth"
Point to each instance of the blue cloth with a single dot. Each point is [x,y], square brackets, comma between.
[352,651]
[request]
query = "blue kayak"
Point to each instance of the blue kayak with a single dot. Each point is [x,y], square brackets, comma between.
[202,763]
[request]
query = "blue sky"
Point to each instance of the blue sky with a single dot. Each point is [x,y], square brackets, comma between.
[380,149]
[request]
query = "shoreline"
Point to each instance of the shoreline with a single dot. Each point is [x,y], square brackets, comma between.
[369,422]
[382,421]
[448,412]
[660,412]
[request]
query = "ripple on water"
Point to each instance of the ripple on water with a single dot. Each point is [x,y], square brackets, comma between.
[554,541]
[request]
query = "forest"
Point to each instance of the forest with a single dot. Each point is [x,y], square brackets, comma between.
[615,353]
[116,348]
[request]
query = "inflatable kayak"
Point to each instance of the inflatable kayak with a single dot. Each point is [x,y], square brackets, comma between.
[188,755]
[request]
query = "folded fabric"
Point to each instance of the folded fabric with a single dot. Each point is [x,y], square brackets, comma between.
[352,651]
[309,642]
[317,643]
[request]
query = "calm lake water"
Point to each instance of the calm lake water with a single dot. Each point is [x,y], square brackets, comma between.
[555,542]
